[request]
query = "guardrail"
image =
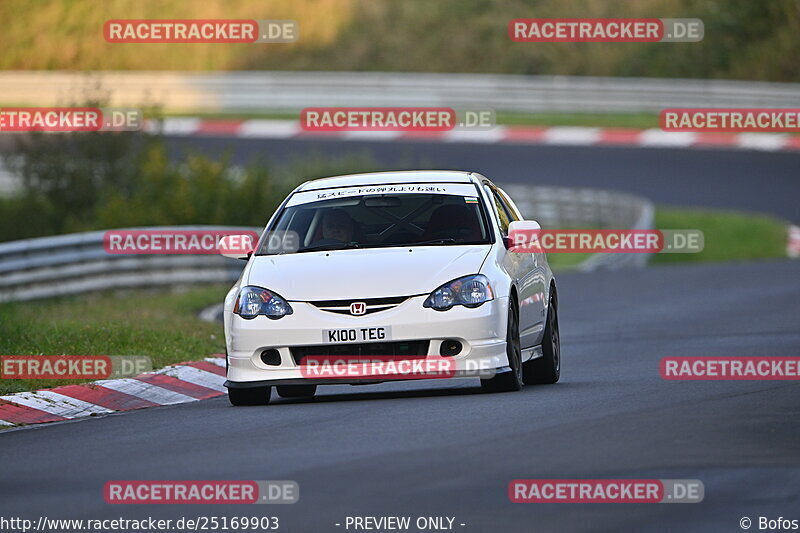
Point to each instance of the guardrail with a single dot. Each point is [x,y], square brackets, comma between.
[9,184]
[77,263]
[239,91]
[562,207]
[71,264]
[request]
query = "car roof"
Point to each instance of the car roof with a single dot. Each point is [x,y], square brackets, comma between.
[387,178]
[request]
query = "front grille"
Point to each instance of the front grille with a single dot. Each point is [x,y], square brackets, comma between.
[399,349]
[374,305]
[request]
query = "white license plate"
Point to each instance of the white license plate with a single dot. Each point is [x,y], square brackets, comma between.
[345,335]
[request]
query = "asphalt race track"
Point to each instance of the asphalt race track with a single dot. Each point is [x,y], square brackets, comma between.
[443,448]
[446,449]
[747,180]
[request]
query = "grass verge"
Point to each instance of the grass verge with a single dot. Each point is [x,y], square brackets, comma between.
[161,325]
[503,118]
[728,235]
[564,262]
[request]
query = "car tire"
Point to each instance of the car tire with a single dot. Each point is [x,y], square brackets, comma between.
[546,369]
[511,380]
[250,396]
[296,391]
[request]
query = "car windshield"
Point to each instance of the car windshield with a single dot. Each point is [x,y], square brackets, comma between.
[381,221]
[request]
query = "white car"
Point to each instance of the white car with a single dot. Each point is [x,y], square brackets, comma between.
[397,267]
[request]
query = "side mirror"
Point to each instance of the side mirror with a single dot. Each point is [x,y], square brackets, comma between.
[523,236]
[236,246]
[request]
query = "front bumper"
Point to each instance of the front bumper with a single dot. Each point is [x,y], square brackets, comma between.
[481,332]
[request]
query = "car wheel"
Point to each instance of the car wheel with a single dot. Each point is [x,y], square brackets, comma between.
[296,391]
[250,396]
[546,369]
[512,380]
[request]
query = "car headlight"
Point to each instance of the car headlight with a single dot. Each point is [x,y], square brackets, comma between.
[469,291]
[254,301]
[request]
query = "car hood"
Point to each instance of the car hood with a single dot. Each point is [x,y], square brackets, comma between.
[370,273]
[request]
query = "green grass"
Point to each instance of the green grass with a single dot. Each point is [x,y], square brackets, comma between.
[728,235]
[598,120]
[564,262]
[161,325]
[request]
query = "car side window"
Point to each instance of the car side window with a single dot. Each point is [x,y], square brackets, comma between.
[511,207]
[504,214]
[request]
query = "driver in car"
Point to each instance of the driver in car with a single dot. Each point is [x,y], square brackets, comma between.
[337,225]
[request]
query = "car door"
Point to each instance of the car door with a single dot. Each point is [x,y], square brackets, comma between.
[528,270]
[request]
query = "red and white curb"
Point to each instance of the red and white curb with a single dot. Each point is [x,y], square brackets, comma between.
[556,135]
[180,383]
[793,245]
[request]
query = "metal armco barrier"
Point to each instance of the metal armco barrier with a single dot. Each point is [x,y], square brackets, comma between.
[291,91]
[561,207]
[77,263]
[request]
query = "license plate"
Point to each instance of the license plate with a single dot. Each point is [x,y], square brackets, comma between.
[345,335]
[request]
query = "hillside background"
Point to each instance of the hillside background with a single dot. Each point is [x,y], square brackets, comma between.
[744,39]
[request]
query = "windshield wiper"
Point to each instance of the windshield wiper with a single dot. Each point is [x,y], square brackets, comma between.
[339,246]
[433,241]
